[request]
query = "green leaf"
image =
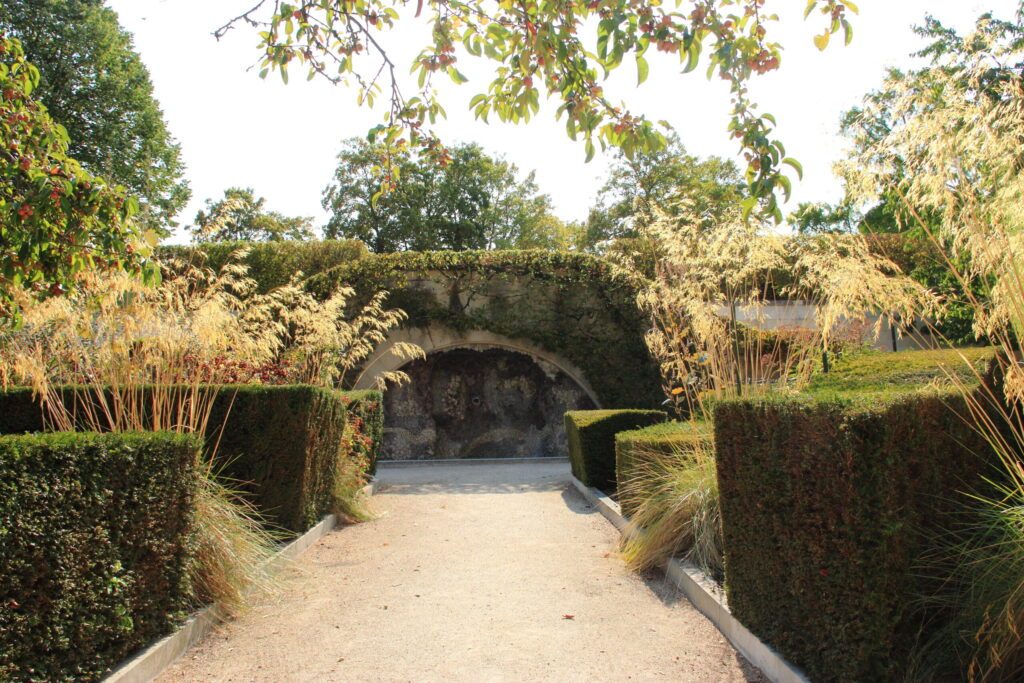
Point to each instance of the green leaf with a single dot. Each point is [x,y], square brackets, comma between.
[796,165]
[642,69]
[456,75]
[748,205]
[848,30]
[590,149]
[811,4]
[787,186]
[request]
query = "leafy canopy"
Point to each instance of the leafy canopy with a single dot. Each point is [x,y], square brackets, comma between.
[564,49]
[472,201]
[56,219]
[240,216]
[94,84]
[636,186]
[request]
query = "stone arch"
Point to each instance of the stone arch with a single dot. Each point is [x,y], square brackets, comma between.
[437,338]
[476,394]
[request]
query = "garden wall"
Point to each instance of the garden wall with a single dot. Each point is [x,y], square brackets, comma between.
[577,307]
[499,327]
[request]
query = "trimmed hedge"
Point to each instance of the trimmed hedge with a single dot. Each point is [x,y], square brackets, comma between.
[636,447]
[579,306]
[272,264]
[284,443]
[281,443]
[828,503]
[898,373]
[591,435]
[95,534]
[366,418]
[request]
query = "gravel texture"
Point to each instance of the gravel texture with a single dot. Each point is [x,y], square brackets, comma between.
[471,572]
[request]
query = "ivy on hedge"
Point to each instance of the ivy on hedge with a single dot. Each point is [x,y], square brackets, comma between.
[366,420]
[576,305]
[95,544]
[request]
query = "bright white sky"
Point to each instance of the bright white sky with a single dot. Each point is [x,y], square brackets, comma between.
[237,130]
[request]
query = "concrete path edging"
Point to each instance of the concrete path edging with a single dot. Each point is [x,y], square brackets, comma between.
[151,662]
[702,592]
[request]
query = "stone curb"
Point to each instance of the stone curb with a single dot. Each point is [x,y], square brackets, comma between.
[391,464]
[702,592]
[151,662]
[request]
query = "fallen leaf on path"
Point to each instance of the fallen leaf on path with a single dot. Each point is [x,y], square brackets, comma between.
[568,616]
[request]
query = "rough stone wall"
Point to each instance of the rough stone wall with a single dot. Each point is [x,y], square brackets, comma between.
[467,403]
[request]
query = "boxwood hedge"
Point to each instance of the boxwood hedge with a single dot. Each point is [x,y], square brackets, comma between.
[272,264]
[828,503]
[280,443]
[95,534]
[591,435]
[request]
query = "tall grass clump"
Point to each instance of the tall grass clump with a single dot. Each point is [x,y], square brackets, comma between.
[952,159]
[678,513]
[117,355]
[704,275]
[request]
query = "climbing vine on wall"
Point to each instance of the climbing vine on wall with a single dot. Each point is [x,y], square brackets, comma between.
[575,305]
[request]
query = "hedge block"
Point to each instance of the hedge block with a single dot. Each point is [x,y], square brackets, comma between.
[635,449]
[271,264]
[827,506]
[95,546]
[591,435]
[280,444]
[284,443]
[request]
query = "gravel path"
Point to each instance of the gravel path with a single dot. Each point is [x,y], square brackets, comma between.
[472,572]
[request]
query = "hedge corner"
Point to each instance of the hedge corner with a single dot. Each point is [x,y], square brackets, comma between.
[591,435]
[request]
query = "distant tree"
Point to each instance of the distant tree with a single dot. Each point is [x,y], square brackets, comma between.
[240,216]
[904,100]
[94,84]
[815,218]
[56,219]
[473,201]
[635,186]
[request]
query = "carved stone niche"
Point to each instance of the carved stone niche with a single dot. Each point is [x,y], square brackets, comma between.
[480,403]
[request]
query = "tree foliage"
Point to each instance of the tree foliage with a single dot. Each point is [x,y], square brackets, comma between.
[94,84]
[56,219]
[882,158]
[472,201]
[562,49]
[816,218]
[240,216]
[636,186]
